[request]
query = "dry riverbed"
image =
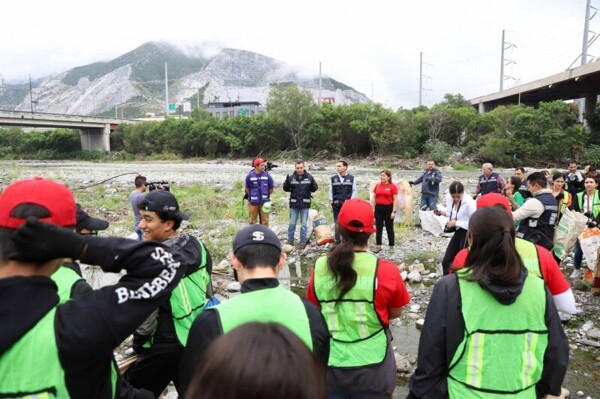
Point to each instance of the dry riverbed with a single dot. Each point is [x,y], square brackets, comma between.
[211,193]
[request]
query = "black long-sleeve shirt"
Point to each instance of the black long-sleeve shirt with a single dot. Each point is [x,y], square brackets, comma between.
[90,326]
[443,332]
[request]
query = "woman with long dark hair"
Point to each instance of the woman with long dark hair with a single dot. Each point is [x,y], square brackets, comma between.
[460,208]
[358,294]
[588,203]
[385,202]
[490,328]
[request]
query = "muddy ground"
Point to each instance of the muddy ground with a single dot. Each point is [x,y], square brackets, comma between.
[415,249]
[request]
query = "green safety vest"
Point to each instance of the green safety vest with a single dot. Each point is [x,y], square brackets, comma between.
[595,203]
[31,368]
[64,279]
[358,337]
[189,297]
[502,351]
[276,305]
[529,255]
[565,201]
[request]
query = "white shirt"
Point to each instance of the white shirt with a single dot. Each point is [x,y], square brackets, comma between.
[468,206]
[532,208]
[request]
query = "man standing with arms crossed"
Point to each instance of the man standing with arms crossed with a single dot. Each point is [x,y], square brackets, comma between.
[341,188]
[430,190]
[300,185]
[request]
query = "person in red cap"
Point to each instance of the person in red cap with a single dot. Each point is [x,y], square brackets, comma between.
[536,258]
[358,294]
[66,350]
[259,186]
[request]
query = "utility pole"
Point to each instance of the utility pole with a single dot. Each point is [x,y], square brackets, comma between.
[421,76]
[586,30]
[30,94]
[503,61]
[319,102]
[166,90]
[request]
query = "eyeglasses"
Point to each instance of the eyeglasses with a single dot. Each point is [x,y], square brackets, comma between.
[91,233]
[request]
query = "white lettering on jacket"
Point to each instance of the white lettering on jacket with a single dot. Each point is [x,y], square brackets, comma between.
[151,289]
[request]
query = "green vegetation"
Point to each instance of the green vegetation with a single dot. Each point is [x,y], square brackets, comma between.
[295,127]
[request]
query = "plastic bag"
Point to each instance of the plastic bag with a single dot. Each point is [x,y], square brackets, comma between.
[571,225]
[432,223]
[322,229]
[589,241]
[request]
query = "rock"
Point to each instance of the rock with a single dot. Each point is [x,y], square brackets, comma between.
[403,274]
[417,267]
[588,342]
[413,316]
[414,276]
[594,333]
[402,364]
[579,393]
[430,260]
[402,266]
[222,267]
[287,248]
[233,287]
[415,308]
[419,324]
[587,326]
[432,275]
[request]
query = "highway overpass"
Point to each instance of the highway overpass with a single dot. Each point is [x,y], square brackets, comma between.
[580,82]
[94,132]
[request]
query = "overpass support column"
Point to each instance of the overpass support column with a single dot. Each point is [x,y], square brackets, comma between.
[481,108]
[95,139]
[591,100]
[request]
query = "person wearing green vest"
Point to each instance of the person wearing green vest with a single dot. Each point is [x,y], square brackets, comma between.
[257,259]
[65,350]
[358,294]
[160,340]
[491,329]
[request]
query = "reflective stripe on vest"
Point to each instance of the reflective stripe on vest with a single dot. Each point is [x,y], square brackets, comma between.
[31,367]
[267,305]
[341,190]
[502,352]
[595,203]
[546,222]
[529,255]
[65,278]
[358,337]
[188,298]
[489,185]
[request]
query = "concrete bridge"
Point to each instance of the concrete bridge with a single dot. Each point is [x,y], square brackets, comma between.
[94,132]
[580,82]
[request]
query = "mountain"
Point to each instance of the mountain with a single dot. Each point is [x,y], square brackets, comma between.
[134,83]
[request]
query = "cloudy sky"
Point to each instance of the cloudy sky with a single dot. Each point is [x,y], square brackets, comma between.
[373,46]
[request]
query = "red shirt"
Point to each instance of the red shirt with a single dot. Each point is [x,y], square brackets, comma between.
[390,291]
[553,277]
[384,193]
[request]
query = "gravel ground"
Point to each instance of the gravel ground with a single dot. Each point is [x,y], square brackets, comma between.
[416,251]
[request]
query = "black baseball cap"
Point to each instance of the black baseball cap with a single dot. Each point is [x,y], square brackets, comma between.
[163,201]
[255,234]
[85,221]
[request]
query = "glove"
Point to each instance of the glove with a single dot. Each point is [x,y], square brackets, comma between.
[412,183]
[591,225]
[560,197]
[588,214]
[475,197]
[37,241]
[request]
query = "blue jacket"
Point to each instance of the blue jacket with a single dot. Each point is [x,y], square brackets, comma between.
[300,189]
[431,182]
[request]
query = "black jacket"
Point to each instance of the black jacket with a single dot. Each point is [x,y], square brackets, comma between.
[300,189]
[90,326]
[443,332]
[207,327]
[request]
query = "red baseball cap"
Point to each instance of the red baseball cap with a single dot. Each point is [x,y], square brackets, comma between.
[258,161]
[53,196]
[357,210]
[492,199]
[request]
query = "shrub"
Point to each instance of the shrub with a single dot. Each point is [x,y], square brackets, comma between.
[439,150]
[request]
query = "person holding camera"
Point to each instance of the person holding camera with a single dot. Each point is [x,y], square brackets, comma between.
[461,208]
[259,186]
[430,189]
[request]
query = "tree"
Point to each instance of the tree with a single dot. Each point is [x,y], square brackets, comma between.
[293,108]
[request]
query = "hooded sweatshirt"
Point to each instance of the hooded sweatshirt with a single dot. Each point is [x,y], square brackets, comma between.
[443,332]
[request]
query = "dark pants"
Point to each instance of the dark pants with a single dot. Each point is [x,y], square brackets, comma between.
[336,212]
[383,215]
[457,242]
[156,368]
